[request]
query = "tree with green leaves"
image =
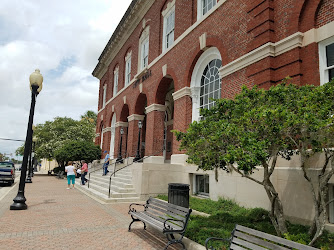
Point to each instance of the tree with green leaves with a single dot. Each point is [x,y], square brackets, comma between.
[256,128]
[90,116]
[76,151]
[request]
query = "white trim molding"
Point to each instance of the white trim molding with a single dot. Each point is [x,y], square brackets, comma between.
[181,93]
[97,135]
[202,41]
[155,107]
[266,50]
[121,124]
[136,117]
[318,35]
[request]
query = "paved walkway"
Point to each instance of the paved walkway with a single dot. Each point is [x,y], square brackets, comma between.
[58,218]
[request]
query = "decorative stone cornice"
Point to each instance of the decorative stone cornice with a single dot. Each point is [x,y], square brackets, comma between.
[186,91]
[136,117]
[97,135]
[155,107]
[121,124]
[266,50]
[132,17]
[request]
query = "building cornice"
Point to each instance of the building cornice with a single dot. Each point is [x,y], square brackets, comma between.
[122,124]
[132,17]
[136,117]
[155,107]
[266,50]
[186,91]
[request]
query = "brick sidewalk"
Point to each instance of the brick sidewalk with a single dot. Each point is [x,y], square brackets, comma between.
[58,218]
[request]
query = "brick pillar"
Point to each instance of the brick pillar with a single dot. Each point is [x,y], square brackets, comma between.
[155,129]
[133,133]
[182,115]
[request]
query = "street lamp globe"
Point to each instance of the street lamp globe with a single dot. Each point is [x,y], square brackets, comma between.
[36,79]
[140,124]
[122,131]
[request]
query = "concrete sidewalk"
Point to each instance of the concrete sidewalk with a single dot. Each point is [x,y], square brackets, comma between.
[58,218]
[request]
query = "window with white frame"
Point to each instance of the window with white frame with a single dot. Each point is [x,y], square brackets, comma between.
[204,6]
[210,84]
[144,53]
[169,25]
[104,95]
[143,48]
[326,60]
[128,69]
[205,82]
[115,81]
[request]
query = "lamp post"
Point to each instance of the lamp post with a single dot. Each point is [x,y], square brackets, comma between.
[36,83]
[119,157]
[30,174]
[137,157]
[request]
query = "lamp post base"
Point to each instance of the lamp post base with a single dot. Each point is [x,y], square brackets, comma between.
[119,160]
[19,202]
[28,180]
[137,159]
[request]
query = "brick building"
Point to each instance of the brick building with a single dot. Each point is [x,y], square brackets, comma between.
[167,58]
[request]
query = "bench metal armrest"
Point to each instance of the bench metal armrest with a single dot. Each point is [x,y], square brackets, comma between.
[132,209]
[167,228]
[214,239]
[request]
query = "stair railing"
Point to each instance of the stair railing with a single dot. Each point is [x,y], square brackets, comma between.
[101,168]
[129,164]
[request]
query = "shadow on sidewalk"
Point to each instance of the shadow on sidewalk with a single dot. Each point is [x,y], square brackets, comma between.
[49,201]
[155,238]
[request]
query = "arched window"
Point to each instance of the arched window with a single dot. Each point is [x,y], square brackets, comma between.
[205,81]
[210,84]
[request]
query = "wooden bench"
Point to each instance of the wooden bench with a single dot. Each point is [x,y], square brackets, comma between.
[247,238]
[168,218]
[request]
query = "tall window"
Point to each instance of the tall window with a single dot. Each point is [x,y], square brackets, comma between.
[144,53]
[104,95]
[115,81]
[210,84]
[127,69]
[326,57]
[169,26]
[143,46]
[204,6]
[205,82]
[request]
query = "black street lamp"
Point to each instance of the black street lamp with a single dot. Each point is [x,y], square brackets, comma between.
[137,157]
[30,174]
[36,80]
[119,157]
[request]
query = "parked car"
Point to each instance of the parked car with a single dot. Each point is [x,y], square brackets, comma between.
[7,172]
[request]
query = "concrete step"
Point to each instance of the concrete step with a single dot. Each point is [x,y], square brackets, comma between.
[113,182]
[126,180]
[104,197]
[113,187]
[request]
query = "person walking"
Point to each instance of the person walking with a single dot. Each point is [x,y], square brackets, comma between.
[106,163]
[71,173]
[84,171]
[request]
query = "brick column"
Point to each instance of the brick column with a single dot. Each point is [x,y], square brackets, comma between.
[182,115]
[155,129]
[133,133]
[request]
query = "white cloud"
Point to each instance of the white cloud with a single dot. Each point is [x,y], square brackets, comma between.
[64,40]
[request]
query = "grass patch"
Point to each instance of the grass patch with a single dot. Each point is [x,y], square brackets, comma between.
[226,213]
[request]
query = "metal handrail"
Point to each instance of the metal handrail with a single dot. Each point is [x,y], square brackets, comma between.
[140,160]
[94,171]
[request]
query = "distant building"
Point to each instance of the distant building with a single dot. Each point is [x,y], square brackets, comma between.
[166,59]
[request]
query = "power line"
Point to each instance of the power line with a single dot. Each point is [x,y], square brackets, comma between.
[6,139]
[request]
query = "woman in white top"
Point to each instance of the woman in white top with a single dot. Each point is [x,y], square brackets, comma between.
[71,173]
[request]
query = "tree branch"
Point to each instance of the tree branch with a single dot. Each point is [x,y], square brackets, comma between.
[246,176]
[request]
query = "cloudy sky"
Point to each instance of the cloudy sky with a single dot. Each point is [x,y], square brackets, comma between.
[62,38]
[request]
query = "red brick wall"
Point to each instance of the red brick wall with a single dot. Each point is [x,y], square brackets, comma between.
[236,28]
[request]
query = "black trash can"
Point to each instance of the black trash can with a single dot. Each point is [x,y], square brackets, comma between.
[178,194]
